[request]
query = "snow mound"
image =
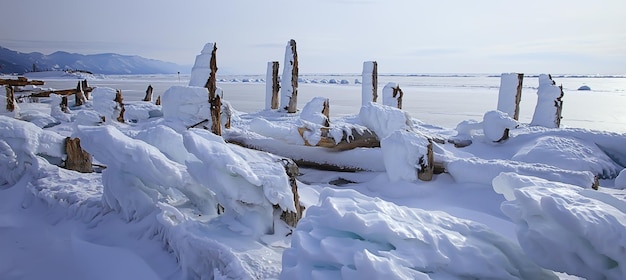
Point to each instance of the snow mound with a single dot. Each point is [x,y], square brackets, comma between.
[620,181]
[352,236]
[494,124]
[566,228]
[568,153]
[384,120]
[188,105]
[139,111]
[104,104]
[403,154]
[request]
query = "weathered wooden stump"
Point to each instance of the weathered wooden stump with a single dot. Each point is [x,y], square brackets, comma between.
[291,218]
[214,99]
[272,86]
[63,105]
[158,101]
[148,96]
[427,165]
[549,103]
[77,158]
[79,95]
[120,103]
[369,86]
[289,92]
[10,98]
[216,108]
[86,88]
[392,95]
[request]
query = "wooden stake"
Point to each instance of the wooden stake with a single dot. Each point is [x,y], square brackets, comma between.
[63,105]
[369,86]
[79,95]
[292,171]
[216,106]
[86,89]
[77,158]
[293,99]
[211,82]
[275,85]
[427,165]
[326,112]
[158,101]
[120,101]
[397,94]
[148,96]
[375,82]
[10,98]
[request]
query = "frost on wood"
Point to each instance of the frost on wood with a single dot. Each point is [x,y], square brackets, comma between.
[271,86]
[369,87]
[549,103]
[407,156]
[79,95]
[510,94]
[10,99]
[392,95]
[289,88]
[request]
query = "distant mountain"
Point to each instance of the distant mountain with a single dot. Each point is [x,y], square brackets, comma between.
[106,63]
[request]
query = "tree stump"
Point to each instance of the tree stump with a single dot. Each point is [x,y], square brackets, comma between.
[77,158]
[158,101]
[272,86]
[291,218]
[63,105]
[120,104]
[79,95]
[86,88]
[549,103]
[211,82]
[10,98]
[216,106]
[369,87]
[392,95]
[427,165]
[148,96]
[289,99]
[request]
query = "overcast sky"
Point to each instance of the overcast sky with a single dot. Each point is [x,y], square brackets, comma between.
[335,36]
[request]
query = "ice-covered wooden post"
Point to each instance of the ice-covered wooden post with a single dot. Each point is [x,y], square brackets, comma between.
[392,95]
[289,89]
[427,164]
[509,97]
[271,86]
[203,75]
[158,101]
[549,103]
[120,103]
[79,95]
[77,158]
[10,98]
[369,87]
[292,171]
[148,96]
[63,105]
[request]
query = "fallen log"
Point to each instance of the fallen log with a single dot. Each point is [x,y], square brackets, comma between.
[63,92]
[21,81]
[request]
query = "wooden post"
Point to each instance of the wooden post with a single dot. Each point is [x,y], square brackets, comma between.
[120,101]
[272,85]
[148,96]
[10,98]
[86,89]
[369,86]
[63,105]
[510,86]
[549,103]
[77,158]
[289,99]
[158,101]
[326,112]
[79,95]
[216,105]
[427,165]
[211,82]
[292,171]
[392,95]
[558,103]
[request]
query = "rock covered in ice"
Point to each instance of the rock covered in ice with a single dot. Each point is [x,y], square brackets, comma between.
[566,228]
[352,236]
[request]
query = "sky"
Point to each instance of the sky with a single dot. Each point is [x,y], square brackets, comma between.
[335,36]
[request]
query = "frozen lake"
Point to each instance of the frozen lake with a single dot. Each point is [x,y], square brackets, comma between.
[443,100]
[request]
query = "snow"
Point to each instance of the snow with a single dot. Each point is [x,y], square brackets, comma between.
[352,236]
[388,98]
[202,67]
[567,228]
[546,112]
[520,208]
[104,104]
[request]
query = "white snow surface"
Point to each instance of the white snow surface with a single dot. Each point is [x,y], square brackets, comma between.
[502,210]
[567,228]
[352,236]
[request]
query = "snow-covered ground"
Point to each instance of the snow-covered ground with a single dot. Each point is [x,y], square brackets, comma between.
[521,208]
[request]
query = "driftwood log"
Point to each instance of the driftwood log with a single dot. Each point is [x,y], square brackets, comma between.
[77,158]
[20,81]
